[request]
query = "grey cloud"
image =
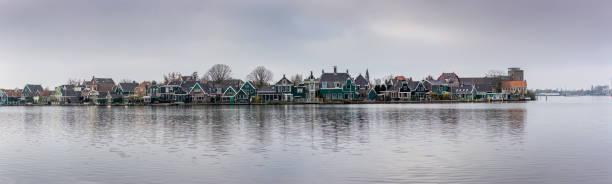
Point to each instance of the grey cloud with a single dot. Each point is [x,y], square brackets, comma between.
[141,40]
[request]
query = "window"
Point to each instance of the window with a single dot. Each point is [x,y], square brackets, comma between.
[324,85]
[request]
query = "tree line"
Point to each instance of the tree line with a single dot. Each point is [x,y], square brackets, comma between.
[260,76]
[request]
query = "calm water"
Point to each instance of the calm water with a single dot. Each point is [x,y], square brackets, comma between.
[562,140]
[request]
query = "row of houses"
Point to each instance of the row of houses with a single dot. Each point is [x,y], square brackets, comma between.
[327,87]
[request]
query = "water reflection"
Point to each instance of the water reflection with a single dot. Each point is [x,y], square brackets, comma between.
[217,128]
[270,137]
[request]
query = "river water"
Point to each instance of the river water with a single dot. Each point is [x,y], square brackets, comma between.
[559,140]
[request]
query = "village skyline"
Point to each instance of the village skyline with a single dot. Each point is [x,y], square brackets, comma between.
[218,86]
[279,75]
[276,75]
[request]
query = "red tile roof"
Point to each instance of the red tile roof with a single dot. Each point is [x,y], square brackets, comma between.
[400,77]
[12,92]
[514,84]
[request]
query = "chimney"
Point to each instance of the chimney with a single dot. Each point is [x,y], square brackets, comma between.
[335,69]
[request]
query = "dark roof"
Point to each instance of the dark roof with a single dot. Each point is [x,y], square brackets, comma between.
[128,87]
[68,90]
[360,80]
[34,87]
[234,83]
[174,83]
[463,89]
[188,85]
[331,78]
[413,84]
[478,80]
[266,89]
[484,88]
[104,80]
[284,81]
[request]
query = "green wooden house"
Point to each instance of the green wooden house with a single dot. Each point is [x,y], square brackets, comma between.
[197,92]
[3,97]
[284,87]
[229,95]
[299,92]
[242,97]
[372,95]
[464,92]
[337,86]
[249,89]
[346,92]
[29,91]
[13,96]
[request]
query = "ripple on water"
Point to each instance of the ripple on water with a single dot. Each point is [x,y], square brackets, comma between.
[536,142]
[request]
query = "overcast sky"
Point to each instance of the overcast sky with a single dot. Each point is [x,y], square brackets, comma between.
[559,44]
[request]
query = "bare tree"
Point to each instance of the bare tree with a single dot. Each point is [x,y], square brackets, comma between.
[126,81]
[377,81]
[219,72]
[74,82]
[260,76]
[205,78]
[388,77]
[494,73]
[170,77]
[297,79]
[195,76]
